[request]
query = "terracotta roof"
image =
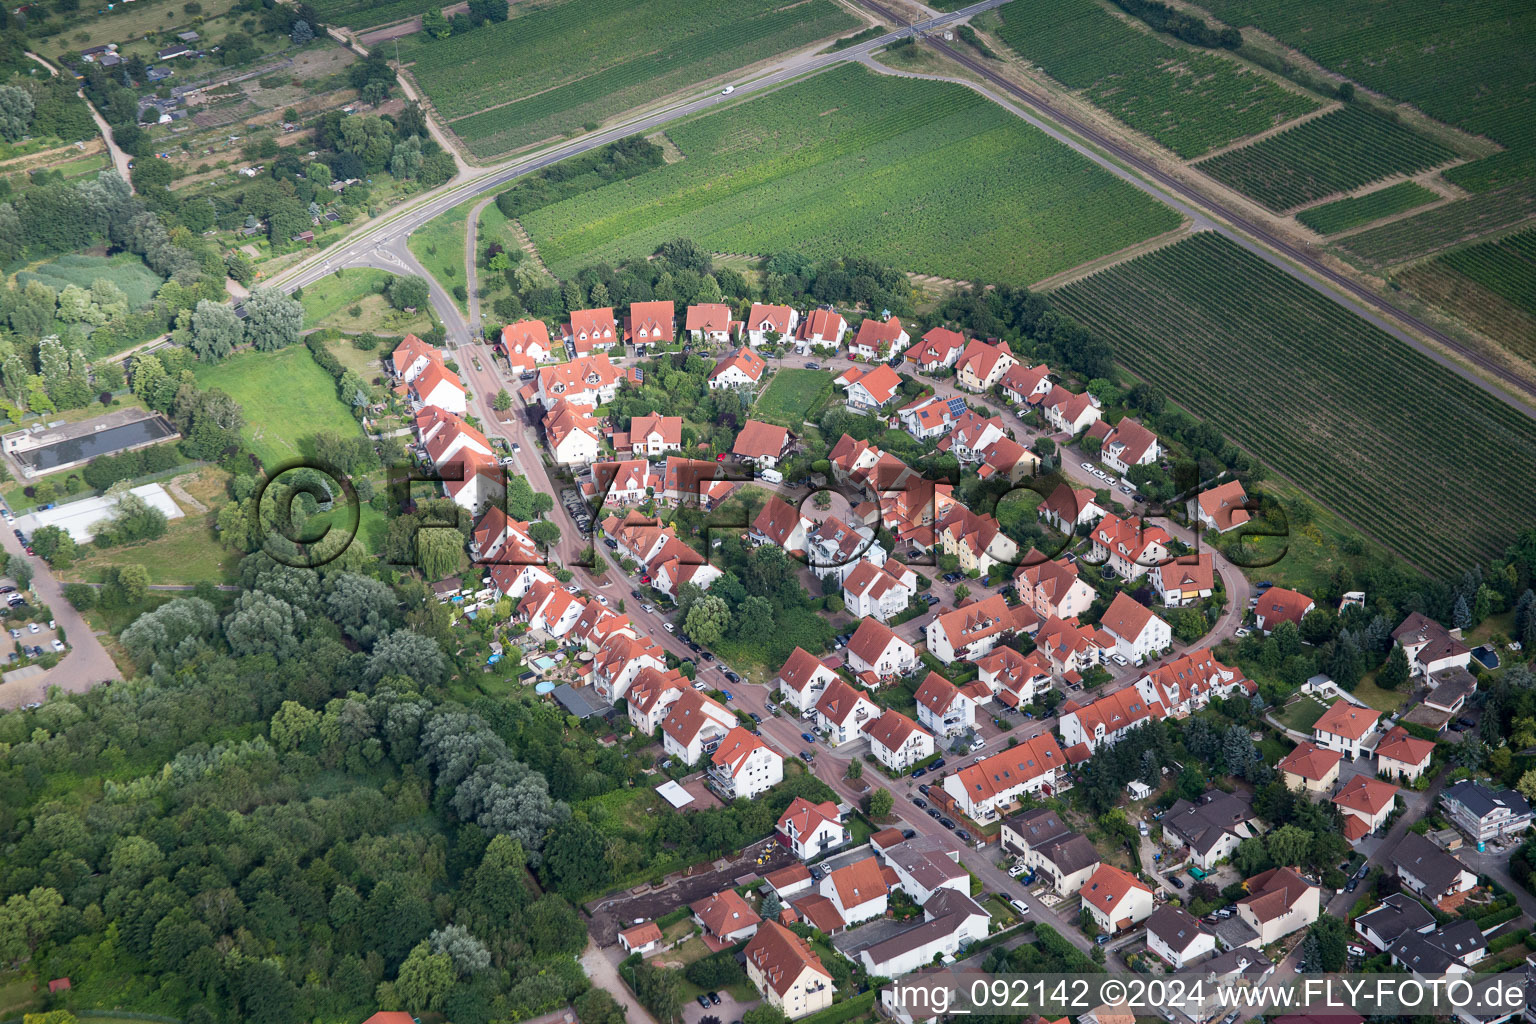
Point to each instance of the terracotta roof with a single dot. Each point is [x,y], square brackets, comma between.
[937,346]
[806,817]
[1129,537]
[782,957]
[594,322]
[1194,673]
[1347,720]
[734,750]
[1181,576]
[1366,794]
[566,418]
[1023,380]
[870,579]
[1069,405]
[1067,502]
[936,694]
[581,374]
[745,360]
[1133,438]
[710,317]
[892,729]
[410,349]
[873,333]
[390,1017]
[825,324]
[641,934]
[800,668]
[1399,745]
[981,358]
[688,715]
[430,378]
[764,318]
[859,882]
[1277,605]
[785,877]
[880,381]
[1010,768]
[1222,504]
[1355,828]
[1108,885]
[669,427]
[1126,617]
[1114,711]
[820,912]
[1310,761]
[725,912]
[758,440]
[657,318]
[1272,893]
[518,339]
[840,699]
[870,640]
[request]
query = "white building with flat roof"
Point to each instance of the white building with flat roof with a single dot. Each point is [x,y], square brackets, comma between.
[80,518]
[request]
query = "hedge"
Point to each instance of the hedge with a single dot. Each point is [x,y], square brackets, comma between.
[845,1010]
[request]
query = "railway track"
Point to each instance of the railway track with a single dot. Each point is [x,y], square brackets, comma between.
[1256,232]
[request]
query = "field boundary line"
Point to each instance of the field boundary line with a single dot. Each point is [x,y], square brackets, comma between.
[1249,140]
[1130,252]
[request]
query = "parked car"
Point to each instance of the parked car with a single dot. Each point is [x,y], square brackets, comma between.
[918,773]
[1017,870]
[963,835]
[669,627]
[1176,881]
[923,789]
[1101,940]
[808,737]
[702,1000]
[58,644]
[1019,905]
[727,695]
[920,803]
[732,676]
[714,998]
[755,717]
[947,823]
[935,813]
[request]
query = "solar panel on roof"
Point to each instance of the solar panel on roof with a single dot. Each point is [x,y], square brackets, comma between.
[957,407]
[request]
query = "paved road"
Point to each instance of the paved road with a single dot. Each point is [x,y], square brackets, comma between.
[86,665]
[119,158]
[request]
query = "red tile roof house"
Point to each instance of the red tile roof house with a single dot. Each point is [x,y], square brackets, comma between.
[810,830]
[1012,677]
[655,434]
[1128,444]
[1103,721]
[803,679]
[585,380]
[789,974]
[1129,546]
[857,890]
[1277,605]
[1403,757]
[943,709]
[1053,588]
[1345,727]
[842,712]
[990,787]
[621,483]
[764,321]
[525,344]
[982,365]
[726,917]
[926,417]
[869,389]
[971,632]
[1069,508]
[1137,631]
[973,433]
[1310,767]
[821,328]
[743,766]
[1365,803]
[875,649]
[710,322]
[1067,412]
[591,329]
[440,387]
[781,525]
[411,356]
[1026,385]
[1187,683]
[762,444]
[790,881]
[1221,508]
[879,339]
[879,592]
[1116,899]
[1186,580]
[650,323]
[642,938]
[938,350]
[741,369]
[897,742]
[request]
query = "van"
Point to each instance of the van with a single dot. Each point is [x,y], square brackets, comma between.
[773,476]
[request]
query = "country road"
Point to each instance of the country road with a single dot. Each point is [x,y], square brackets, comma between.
[119,158]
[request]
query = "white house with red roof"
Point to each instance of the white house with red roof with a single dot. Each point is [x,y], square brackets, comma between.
[975,538]
[438,386]
[842,712]
[628,482]
[651,696]
[1005,458]
[694,726]
[1025,385]
[761,444]
[875,650]
[803,679]
[810,830]
[742,368]
[857,890]
[879,339]
[968,633]
[972,434]
[780,524]
[642,938]
[869,389]
[1365,802]
[444,435]
[1129,546]
[1053,588]
[1116,899]
[1103,721]
[926,417]
[654,434]
[1128,444]
[651,323]
[1068,508]
[939,349]
[983,364]
[1070,646]
[1186,580]
[942,709]
[412,356]
[1345,727]
[474,481]
[1277,605]
[548,607]
[694,482]
[898,742]
[1221,508]
[1310,768]
[1188,682]
[835,548]
[1012,677]
[525,344]
[590,329]
[788,972]
[1403,756]
[1138,633]
[821,328]
[619,658]
[574,437]
[879,592]
[1279,902]
[726,917]
[743,766]
[1068,412]
[764,320]
[585,380]
[710,322]
[989,787]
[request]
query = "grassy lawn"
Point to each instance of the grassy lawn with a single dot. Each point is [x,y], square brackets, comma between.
[329,302]
[439,245]
[1376,697]
[367,363]
[287,398]
[188,553]
[793,395]
[16,993]
[1309,555]
[128,272]
[1301,714]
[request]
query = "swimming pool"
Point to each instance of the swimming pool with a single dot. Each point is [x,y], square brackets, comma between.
[90,444]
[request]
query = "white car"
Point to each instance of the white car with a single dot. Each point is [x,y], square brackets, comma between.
[573,589]
[1089,467]
[1019,905]
[33,627]
[648,607]
[602,599]
[669,627]
[727,90]
[58,645]
[1119,659]
[1016,870]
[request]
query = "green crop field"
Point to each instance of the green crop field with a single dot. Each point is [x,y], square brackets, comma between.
[365,13]
[439,245]
[126,271]
[1491,285]
[1445,226]
[1506,267]
[926,176]
[287,399]
[792,396]
[1374,430]
[1189,100]
[1343,214]
[557,65]
[1336,152]
[1465,62]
